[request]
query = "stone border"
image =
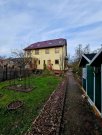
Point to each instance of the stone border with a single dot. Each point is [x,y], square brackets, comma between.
[59,129]
[58,126]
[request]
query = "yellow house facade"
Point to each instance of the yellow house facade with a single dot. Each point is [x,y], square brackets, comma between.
[49,54]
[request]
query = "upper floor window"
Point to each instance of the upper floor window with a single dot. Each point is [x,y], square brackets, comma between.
[56,50]
[37,51]
[47,51]
[28,53]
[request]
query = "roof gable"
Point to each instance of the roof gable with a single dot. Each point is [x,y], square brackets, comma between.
[97,60]
[90,56]
[47,44]
[86,58]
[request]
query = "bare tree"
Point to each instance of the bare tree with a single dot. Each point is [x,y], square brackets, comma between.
[86,49]
[20,58]
[78,52]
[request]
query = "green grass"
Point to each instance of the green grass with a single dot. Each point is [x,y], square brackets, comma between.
[16,122]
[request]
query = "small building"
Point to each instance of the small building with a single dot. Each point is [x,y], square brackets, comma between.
[97,64]
[50,54]
[92,79]
[87,73]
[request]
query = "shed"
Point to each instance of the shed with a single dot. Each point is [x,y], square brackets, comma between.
[87,75]
[97,64]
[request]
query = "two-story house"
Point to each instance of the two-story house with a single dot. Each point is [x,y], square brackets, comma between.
[50,54]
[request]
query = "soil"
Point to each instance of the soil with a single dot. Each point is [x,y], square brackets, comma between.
[48,122]
[19,88]
[79,117]
[15,105]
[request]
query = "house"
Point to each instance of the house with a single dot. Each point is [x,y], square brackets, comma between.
[50,54]
[1,63]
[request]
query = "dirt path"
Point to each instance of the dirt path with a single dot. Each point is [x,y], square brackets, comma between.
[78,118]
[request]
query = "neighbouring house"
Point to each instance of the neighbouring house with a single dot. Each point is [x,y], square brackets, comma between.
[14,67]
[16,63]
[1,63]
[5,64]
[92,79]
[50,54]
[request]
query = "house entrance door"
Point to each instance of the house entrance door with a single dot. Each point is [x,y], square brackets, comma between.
[49,64]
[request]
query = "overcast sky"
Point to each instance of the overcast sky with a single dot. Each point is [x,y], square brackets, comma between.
[23,22]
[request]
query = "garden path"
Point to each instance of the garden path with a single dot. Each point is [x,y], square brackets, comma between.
[78,118]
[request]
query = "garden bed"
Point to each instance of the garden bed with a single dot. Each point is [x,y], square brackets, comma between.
[19,88]
[15,105]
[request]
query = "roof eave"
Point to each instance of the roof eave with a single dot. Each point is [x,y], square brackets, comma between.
[42,47]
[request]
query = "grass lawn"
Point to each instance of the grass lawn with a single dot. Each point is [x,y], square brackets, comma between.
[16,122]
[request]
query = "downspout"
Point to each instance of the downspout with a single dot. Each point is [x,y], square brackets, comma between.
[62,62]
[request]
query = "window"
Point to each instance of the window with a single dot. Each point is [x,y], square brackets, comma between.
[36,51]
[47,51]
[39,62]
[56,61]
[28,53]
[56,50]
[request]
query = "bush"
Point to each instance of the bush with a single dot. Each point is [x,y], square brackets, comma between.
[76,69]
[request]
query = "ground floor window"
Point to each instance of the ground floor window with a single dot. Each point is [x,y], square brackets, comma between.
[56,61]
